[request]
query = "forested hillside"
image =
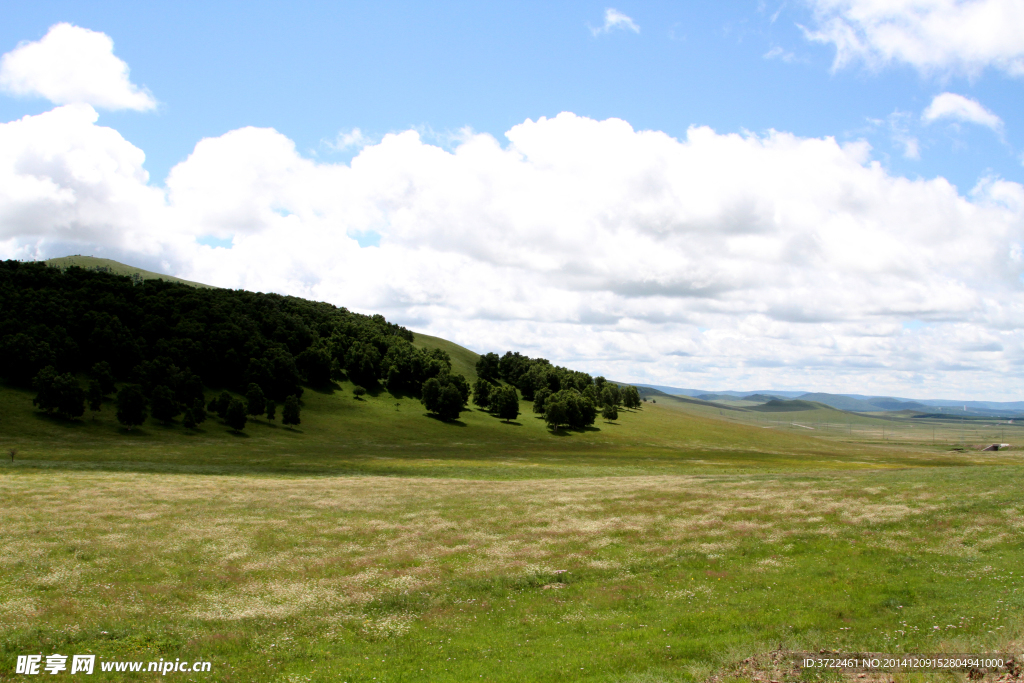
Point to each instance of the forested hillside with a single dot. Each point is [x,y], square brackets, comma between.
[169,341]
[157,333]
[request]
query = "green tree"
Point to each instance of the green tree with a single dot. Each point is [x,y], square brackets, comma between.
[608,395]
[163,405]
[445,395]
[290,412]
[95,395]
[359,392]
[236,418]
[610,412]
[189,420]
[58,393]
[555,414]
[539,397]
[450,403]
[430,394]
[255,401]
[631,397]
[505,403]
[47,398]
[315,365]
[220,405]
[487,368]
[362,363]
[461,384]
[571,408]
[131,406]
[482,391]
[102,373]
[198,411]
[271,409]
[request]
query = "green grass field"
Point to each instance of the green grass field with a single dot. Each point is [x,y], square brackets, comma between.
[373,543]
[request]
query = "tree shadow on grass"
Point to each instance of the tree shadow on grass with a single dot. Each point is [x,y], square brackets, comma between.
[513,423]
[239,435]
[569,431]
[55,419]
[328,388]
[456,423]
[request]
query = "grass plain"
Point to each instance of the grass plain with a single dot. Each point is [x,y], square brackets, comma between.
[372,543]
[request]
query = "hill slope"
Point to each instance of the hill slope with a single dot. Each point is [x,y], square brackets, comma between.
[463,360]
[105,265]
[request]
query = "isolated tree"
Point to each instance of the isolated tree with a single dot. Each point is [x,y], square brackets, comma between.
[271,409]
[188,420]
[131,406]
[610,412]
[95,395]
[255,401]
[482,390]
[505,403]
[198,411]
[359,392]
[236,418]
[163,405]
[290,412]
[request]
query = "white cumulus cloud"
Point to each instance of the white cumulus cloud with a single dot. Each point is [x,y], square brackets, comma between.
[72,65]
[714,260]
[614,19]
[933,36]
[959,108]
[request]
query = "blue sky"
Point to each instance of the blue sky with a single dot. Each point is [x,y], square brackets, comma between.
[823,195]
[311,70]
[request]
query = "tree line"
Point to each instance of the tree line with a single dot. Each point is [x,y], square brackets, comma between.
[169,341]
[165,342]
[564,397]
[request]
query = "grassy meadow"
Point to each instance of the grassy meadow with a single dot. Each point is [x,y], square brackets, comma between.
[372,543]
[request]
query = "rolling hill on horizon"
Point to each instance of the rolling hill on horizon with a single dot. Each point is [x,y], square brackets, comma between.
[858,403]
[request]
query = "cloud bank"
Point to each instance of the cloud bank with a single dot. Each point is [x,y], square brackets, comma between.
[715,260]
[934,36]
[72,65]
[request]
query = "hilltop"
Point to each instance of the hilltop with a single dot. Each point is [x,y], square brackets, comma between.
[105,265]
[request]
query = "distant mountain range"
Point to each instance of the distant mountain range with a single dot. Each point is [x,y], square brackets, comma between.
[857,403]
